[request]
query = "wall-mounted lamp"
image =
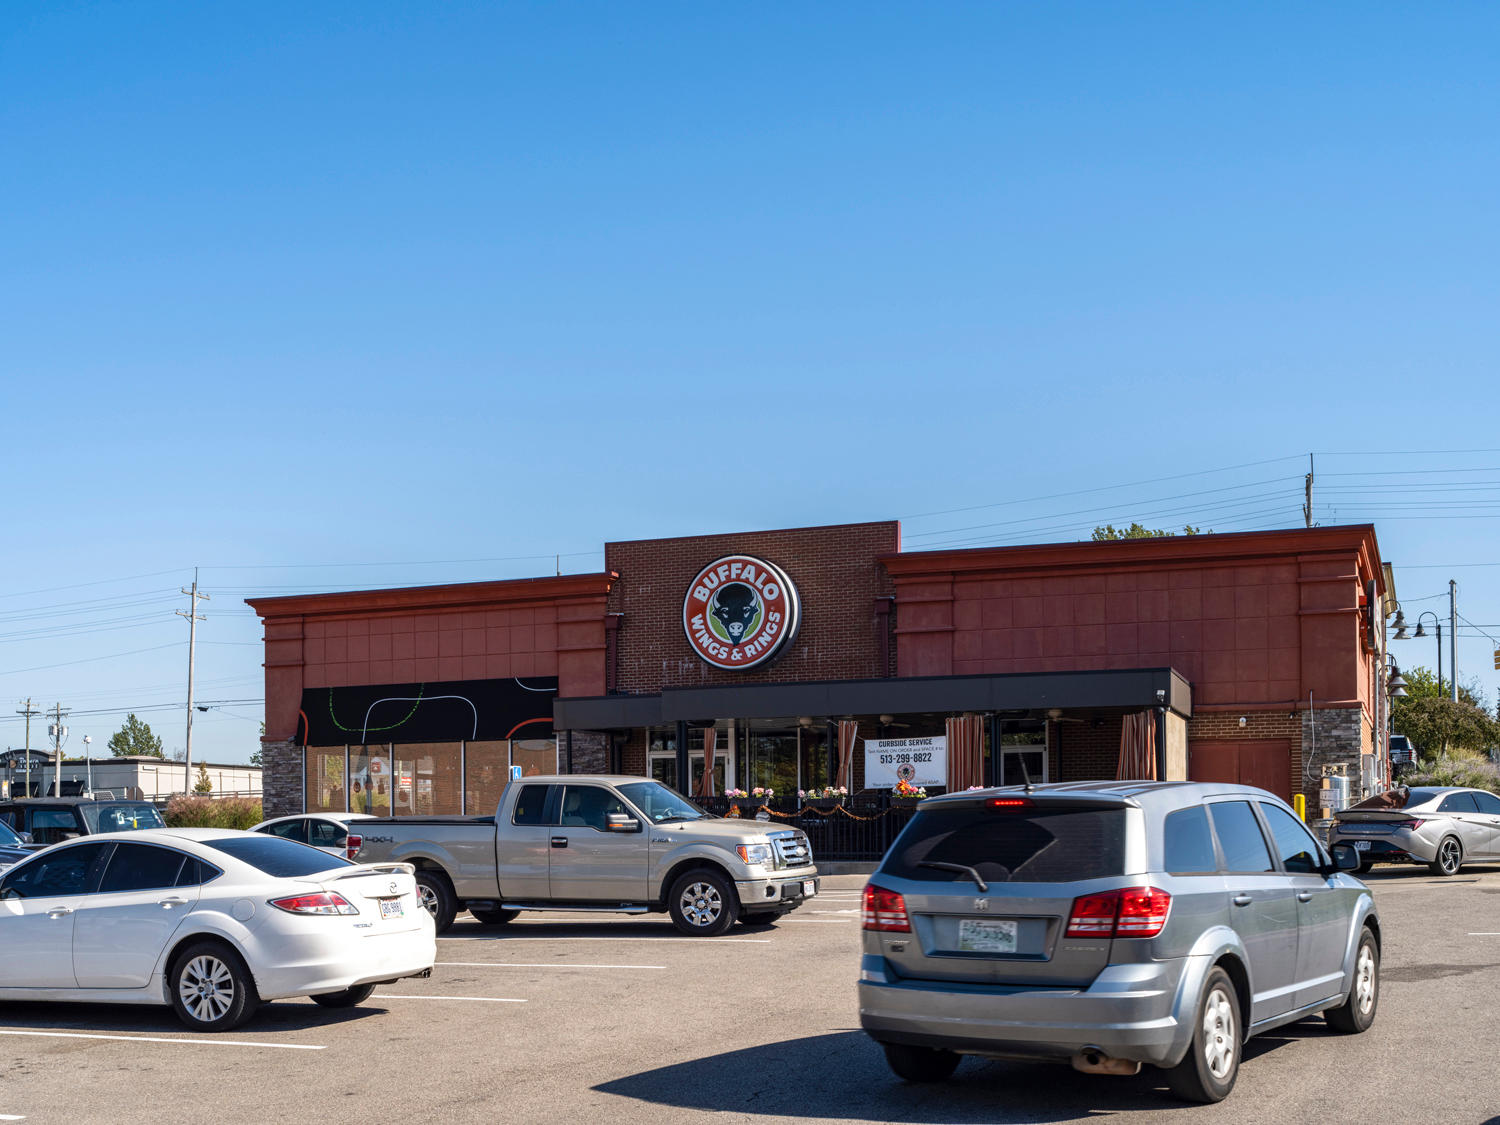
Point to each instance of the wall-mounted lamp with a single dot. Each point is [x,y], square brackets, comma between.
[1242,720]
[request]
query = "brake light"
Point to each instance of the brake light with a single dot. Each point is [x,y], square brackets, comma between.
[1410,825]
[324,902]
[885,910]
[1009,803]
[1134,912]
[352,844]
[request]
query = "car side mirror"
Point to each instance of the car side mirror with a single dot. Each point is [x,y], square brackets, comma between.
[26,837]
[619,822]
[1345,858]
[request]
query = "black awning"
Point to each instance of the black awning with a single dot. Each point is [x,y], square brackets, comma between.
[434,711]
[1129,688]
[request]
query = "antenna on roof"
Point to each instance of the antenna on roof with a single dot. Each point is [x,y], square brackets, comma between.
[1026,773]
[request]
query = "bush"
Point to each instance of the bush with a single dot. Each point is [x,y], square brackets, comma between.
[213,812]
[1468,770]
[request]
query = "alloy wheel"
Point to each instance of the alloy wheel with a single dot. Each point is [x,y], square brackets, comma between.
[206,988]
[1449,855]
[428,898]
[1364,980]
[1219,1034]
[701,904]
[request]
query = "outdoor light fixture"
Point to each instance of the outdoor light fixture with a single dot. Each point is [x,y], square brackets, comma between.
[1396,685]
[1400,625]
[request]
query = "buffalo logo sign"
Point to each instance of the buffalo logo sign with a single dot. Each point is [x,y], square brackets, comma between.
[740,611]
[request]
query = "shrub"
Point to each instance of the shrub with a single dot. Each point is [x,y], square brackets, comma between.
[213,812]
[1468,770]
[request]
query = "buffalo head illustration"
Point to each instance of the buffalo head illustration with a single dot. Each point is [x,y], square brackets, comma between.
[735,605]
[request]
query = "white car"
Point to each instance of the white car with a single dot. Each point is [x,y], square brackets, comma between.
[207,920]
[327,831]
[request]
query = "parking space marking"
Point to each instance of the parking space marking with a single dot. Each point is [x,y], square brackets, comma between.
[534,965]
[205,1042]
[1487,933]
[11,1117]
[622,937]
[482,999]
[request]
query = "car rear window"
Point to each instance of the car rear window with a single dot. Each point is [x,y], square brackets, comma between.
[1030,845]
[275,856]
[1402,798]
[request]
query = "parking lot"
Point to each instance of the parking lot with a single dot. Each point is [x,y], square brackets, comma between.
[554,1019]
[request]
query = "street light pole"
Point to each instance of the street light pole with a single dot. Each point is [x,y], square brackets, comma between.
[88,764]
[1453,634]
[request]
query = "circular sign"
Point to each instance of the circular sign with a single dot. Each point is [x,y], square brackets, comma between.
[740,611]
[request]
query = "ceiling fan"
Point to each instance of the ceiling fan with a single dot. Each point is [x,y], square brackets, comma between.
[890,721]
[1057,716]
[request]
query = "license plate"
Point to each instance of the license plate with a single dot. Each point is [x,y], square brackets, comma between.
[809,888]
[983,935]
[1361,845]
[390,908]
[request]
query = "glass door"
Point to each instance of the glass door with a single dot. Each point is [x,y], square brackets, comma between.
[1034,758]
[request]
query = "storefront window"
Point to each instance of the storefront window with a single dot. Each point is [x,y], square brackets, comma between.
[326,788]
[425,779]
[768,759]
[814,752]
[370,780]
[486,773]
[661,757]
[534,755]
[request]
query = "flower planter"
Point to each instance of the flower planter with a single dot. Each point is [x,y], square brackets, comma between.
[823,802]
[747,802]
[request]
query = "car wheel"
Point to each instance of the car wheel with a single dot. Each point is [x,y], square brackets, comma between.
[212,990]
[920,1064]
[703,903]
[1208,1070]
[348,998]
[1357,1012]
[436,897]
[1449,858]
[494,917]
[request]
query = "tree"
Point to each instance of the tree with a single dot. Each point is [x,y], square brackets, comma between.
[1136,531]
[1436,723]
[134,737]
[204,785]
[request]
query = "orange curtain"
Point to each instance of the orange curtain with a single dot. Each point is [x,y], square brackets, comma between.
[706,782]
[1137,748]
[847,730]
[965,752]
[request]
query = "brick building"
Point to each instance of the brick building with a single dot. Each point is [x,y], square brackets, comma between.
[803,657]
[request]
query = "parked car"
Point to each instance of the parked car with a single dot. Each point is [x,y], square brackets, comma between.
[326,831]
[13,848]
[1113,924]
[211,921]
[623,844]
[50,820]
[1441,826]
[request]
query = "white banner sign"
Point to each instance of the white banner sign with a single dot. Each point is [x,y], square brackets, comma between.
[921,761]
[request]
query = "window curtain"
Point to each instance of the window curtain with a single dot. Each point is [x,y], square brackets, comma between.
[965,752]
[848,728]
[1137,748]
[706,782]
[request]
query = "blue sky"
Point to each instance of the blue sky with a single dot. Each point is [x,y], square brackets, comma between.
[307,296]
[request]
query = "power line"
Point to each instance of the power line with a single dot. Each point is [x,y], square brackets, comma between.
[86,660]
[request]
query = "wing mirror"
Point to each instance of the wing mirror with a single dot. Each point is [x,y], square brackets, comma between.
[1345,858]
[619,822]
[26,837]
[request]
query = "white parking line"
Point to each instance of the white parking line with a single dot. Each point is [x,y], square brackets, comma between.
[833,911]
[483,999]
[625,937]
[204,1042]
[11,1117]
[1487,933]
[535,965]
[816,921]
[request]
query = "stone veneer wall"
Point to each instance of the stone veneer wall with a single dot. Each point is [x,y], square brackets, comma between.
[281,778]
[1332,737]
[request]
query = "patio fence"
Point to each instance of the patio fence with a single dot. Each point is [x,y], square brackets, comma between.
[858,831]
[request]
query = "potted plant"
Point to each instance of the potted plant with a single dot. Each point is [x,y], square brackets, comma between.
[905,793]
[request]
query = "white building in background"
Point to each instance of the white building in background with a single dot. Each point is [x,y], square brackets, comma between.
[138,777]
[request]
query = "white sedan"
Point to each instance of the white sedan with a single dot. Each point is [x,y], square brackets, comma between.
[332,832]
[209,921]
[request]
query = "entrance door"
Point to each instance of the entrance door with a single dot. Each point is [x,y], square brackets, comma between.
[1034,760]
[1263,762]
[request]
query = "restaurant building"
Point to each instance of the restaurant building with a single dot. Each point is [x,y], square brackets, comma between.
[826,656]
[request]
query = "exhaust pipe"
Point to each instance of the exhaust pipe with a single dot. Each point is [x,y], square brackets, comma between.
[1091,1060]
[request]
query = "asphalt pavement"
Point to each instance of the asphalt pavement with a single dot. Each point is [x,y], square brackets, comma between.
[570,1018]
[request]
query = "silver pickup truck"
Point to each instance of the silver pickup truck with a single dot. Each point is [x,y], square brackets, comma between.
[623,844]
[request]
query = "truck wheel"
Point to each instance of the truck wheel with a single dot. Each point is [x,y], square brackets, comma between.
[437,897]
[492,917]
[703,903]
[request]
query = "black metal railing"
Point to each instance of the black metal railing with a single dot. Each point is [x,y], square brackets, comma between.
[858,831]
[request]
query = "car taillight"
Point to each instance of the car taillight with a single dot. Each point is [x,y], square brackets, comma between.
[885,910]
[1410,825]
[324,902]
[1135,912]
[352,844]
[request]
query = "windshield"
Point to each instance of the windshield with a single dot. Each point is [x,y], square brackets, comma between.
[8,837]
[659,803]
[121,818]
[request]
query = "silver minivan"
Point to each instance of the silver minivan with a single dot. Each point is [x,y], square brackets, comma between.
[1111,924]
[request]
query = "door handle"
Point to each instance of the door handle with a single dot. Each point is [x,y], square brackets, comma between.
[559,841]
[168,903]
[1242,900]
[59,912]
[1304,896]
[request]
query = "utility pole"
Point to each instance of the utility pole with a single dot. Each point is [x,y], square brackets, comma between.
[57,732]
[1307,484]
[193,618]
[28,711]
[1452,635]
